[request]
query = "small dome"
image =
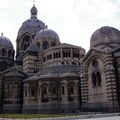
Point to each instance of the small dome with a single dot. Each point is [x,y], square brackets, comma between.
[5,42]
[31,26]
[105,35]
[47,34]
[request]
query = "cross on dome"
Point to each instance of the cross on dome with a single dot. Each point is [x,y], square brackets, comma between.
[1,34]
[34,2]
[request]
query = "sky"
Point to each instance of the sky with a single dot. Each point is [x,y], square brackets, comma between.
[74,20]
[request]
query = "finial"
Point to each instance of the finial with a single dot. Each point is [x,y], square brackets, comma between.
[33,2]
[33,11]
[1,34]
[46,27]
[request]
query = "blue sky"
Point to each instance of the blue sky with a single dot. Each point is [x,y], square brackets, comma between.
[73,20]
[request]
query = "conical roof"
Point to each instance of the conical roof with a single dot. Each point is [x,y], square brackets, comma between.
[33,47]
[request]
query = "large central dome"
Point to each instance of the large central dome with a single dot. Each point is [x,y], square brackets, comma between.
[32,25]
[105,36]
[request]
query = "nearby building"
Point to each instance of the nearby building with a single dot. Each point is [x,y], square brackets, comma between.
[48,76]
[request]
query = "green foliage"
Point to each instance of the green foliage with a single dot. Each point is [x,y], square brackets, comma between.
[31,115]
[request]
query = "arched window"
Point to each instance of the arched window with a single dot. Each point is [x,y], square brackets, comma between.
[10,53]
[44,59]
[3,65]
[53,44]
[98,78]
[59,54]
[39,91]
[44,93]
[0,53]
[54,55]
[44,90]
[25,93]
[26,42]
[63,90]
[93,79]
[71,89]
[45,45]
[25,47]
[63,53]
[95,63]
[3,52]
[66,54]
[96,75]
[69,54]
[49,57]
[38,44]
[32,92]
[54,90]
[75,54]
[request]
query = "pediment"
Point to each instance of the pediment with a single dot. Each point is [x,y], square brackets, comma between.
[13,72]
[93,53]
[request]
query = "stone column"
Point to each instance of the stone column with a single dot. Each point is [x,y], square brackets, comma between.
[40,61]
[118,79]
[66,101]
[1,93]
[26,86]
[64,96]
[61,52]
[39,93]
[84,85]
[110,82]
[71,53]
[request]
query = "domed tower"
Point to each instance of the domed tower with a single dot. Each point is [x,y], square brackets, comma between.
[47,38]
[105,38]
[27,32]
[6,53]
[100,71]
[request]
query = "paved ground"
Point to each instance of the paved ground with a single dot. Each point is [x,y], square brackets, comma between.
[104,118]
[101,118]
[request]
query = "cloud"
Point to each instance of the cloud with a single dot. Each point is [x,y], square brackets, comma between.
[74,20]
[93,14]
[4,4]
[95,9]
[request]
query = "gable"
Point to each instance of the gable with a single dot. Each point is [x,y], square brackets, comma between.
[13,72]
[93,53]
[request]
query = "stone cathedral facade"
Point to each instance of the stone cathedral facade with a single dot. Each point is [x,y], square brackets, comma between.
[48,76]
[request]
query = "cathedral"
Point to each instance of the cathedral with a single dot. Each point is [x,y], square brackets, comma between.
[47,76]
